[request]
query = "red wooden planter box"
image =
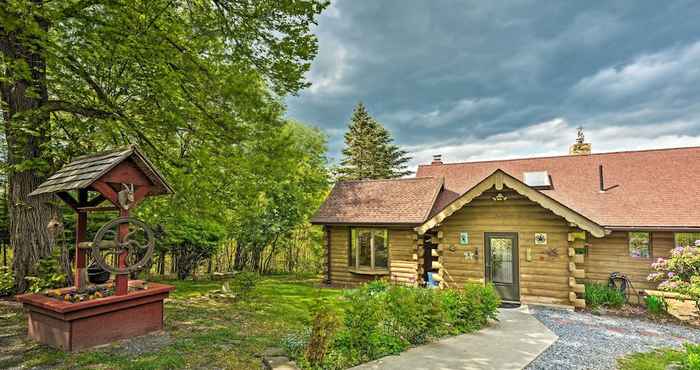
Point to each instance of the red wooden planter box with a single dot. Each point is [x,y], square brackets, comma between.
[74,326]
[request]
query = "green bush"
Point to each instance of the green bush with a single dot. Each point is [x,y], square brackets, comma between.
[243,283]
[598,294]
[656,305]
[7,281]
[471,308]
[382,319]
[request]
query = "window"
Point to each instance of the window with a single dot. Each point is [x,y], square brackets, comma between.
[368,249]
[640,244]
[687,239]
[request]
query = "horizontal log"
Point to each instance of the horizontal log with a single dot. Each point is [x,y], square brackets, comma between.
[579,273]
[579,258]
[572,252]
[437,265]
[579,303]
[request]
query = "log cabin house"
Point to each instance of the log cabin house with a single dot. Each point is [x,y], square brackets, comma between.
[536,228]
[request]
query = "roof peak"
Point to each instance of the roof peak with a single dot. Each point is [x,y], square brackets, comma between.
[563,156]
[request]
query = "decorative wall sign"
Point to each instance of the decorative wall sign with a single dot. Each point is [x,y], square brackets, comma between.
[464,238]
[499,197]
[540,238]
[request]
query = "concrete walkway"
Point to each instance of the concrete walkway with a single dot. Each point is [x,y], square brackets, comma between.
[511,343]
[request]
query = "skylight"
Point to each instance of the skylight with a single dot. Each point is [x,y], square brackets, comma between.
[537,179]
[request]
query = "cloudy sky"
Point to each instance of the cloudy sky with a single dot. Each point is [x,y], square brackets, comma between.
[490,79]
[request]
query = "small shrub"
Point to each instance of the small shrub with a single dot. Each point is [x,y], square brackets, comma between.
[7,281]
[244,282]
[598,294]
[656,305]
[471,308]
[325,324]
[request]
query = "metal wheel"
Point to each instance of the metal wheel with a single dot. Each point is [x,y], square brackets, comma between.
[138,242]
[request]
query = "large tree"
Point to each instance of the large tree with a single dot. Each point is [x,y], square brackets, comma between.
[79,75]
[369,151]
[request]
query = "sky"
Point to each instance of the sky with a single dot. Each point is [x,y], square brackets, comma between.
[475,80]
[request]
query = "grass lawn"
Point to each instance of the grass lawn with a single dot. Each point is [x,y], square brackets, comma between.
[656,360]
[199,332]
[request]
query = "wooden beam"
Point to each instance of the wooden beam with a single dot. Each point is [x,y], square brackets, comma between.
[106,191]
[95,201]
[97,209]
[68,199]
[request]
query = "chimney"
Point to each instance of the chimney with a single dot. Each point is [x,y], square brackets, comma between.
[580,147]
[437,159]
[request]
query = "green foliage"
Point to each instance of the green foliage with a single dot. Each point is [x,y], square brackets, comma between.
[243,283]
[382,319]
[598,294]
[656,305]
[369,151]
[49,274]
[471,308]
[680,272]
[7,281]
[199,85]
[662,359]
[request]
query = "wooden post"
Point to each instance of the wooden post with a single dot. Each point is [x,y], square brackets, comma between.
[80,236]
[122,280]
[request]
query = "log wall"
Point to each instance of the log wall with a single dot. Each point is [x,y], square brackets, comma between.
[402,258]
[611,254]
[544,276]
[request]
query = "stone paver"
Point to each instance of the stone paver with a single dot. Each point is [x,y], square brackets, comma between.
[511,343]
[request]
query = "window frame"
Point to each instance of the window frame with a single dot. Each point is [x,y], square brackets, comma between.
[651,244]
[353,251]
[675,241]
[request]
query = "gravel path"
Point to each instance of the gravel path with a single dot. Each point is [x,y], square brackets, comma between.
[595,342]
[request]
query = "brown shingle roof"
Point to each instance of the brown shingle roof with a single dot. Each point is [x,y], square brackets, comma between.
[651,188]
[397,201]
[84,170]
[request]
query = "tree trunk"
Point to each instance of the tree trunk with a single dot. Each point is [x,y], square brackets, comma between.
[26,133]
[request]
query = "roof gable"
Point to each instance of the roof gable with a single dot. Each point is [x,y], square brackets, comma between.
[499,179]
[85,170]
[396,201]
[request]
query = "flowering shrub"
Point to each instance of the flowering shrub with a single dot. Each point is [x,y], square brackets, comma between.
[680,272]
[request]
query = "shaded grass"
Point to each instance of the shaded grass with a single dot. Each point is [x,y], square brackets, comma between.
[199,332]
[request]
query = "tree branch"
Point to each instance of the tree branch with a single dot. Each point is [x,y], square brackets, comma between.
[64,106]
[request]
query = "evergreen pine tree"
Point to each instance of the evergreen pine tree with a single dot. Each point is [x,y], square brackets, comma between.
[369,151]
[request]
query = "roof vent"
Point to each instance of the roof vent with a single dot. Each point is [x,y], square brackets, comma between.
[437,159]
[537,179]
